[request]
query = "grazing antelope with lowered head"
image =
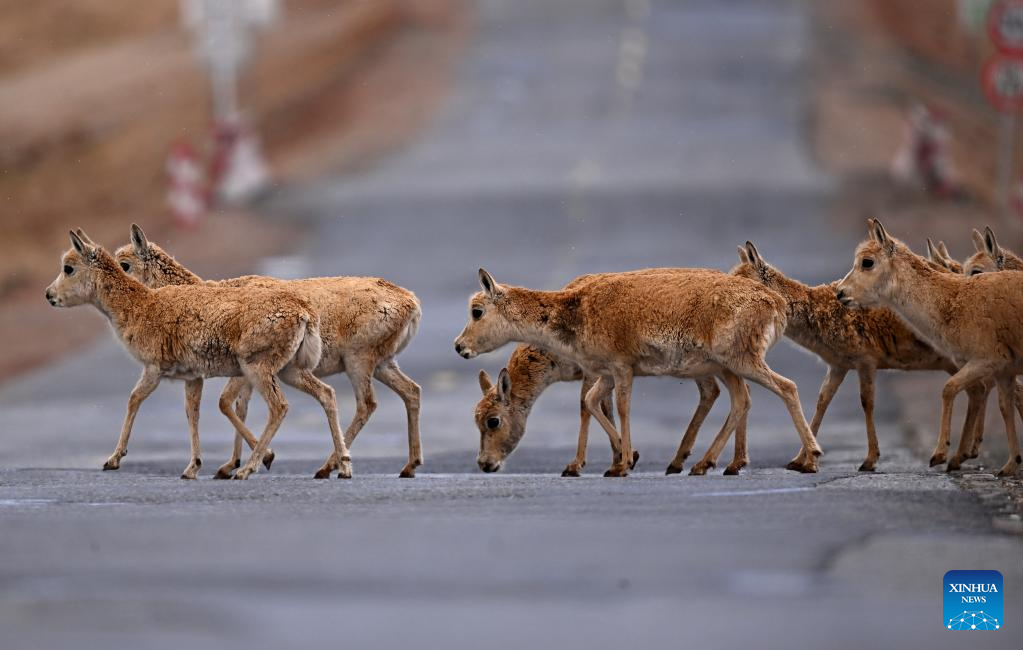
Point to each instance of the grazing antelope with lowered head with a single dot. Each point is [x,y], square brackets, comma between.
[502,411]
[193,332]
[682,323]
[974,321]
[864,340]
[364,324]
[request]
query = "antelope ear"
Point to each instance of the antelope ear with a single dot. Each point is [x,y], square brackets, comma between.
[139,241]
[978,241]
[490,287]
[943,249]
[84,237]
[754,256]
[83,248]
[485,383]
[743,257]
[880,235]
[932,253]
[991,243]
[504,385]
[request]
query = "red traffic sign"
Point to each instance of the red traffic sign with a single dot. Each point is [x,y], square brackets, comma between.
[1002,78]
[1005,26]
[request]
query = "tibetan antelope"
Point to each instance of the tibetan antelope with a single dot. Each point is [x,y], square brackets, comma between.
[193,332]
[683,323]
[973,321]
[364,324]
[864,340]
[990,256]
[502,411]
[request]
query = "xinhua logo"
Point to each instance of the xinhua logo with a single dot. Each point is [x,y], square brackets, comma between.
[973,600]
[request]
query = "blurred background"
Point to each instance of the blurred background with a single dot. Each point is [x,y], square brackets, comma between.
[418,140]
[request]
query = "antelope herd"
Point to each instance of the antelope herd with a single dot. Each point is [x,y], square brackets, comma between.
[894,310]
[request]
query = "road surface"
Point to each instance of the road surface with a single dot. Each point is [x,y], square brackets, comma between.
[581,137]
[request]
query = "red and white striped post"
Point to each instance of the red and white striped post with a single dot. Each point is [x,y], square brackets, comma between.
[187,195]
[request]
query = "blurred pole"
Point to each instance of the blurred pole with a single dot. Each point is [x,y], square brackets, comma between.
[224,33]
[1006,160]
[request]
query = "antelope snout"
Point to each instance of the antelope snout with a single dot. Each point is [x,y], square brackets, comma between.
[463,350]
[50,297]
[488,466]
[843,297]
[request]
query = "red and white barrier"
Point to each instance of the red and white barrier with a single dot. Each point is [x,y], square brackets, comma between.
[922,159]
[187,196]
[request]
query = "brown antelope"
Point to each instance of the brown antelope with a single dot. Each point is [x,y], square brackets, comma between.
[502,411]
[364,324]
[974,321]
[192,332]
[864,340]
[682,323]
[990,256]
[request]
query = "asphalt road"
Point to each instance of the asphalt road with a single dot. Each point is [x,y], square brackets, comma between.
[581,137]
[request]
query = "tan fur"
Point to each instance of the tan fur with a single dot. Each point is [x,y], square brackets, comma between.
[682,323]
[193,332]
[990,257]
[864,340]
[364,324]
[973,321]
[531,370]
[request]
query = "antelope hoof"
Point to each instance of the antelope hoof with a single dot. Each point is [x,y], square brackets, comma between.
[345,469]
[673,469]
[242,474]
[700,468]
[616,470]
[409,471]
[323,472]
[954,464]
[268,458]
[938,459]
[809,468]
[571,470]
[1009,469]
[867,466]
[222,474]
[794,465]
[733,469]
[635,459]
[112,464]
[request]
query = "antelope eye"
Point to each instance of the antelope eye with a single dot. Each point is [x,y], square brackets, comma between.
[867,263]
[976,272]
[126,266]
[477,313]
[68,269]
[493,423]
